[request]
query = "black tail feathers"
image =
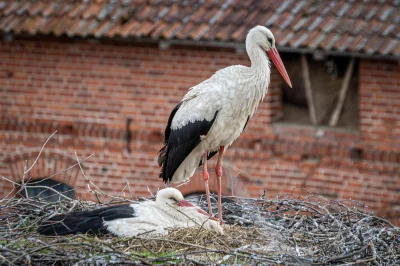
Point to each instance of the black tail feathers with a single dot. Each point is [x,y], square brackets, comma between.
[73,223]
[162,157]
[87,222]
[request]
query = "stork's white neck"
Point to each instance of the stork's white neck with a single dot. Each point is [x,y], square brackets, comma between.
[259,60]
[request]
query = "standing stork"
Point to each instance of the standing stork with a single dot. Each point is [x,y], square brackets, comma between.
[214,113]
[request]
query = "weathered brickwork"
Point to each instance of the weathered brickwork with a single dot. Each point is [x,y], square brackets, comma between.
[87,91]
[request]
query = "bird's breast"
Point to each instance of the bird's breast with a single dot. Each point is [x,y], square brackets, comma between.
[226,129]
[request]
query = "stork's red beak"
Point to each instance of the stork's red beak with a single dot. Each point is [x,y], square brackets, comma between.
[274,56]
[184,203]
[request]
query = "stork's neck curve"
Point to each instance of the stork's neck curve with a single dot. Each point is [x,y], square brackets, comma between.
[260,74]
[259,61]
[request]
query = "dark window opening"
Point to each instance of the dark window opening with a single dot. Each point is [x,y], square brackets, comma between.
[39,189]
[356,154]
[326,77]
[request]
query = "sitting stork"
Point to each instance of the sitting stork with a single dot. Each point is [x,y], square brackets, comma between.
[170,210]
[215,112]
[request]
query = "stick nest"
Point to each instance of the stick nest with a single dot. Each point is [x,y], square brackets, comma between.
[289,230]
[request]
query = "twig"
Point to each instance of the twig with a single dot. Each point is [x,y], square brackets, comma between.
[148,189]
[37,157]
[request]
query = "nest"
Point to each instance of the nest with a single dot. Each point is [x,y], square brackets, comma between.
[289,230]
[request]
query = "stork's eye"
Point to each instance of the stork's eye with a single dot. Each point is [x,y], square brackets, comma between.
[269,40]
[172,198]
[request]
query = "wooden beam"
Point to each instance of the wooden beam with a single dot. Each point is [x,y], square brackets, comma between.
[342,94]
[307,85]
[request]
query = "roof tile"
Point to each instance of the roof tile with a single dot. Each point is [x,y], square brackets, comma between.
[20,26]
[33,27]
[396,50]
[159,28]
[76,10]
[196,35]
[239,33]
[298,7]
[48,9]
[345,44]
[356,41]
[88,28]
[371,27]
[314,43]
[115,30]
[92,10]
[225,33]
[371,12]
[356,10]
[35,8]
[129,26]
[103,27]
[219,15]
[294,40]
[388,47]
[385,12]
[283,38]
[343,39]
[144,29]
[3,4]
[360,46]
[23,7]
[10,8]
[374,44]
[184,31]
[309,38]
[169,32]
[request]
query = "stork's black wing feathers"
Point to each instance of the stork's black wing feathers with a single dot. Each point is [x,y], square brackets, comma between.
[168,128]
[163,152]
[245,125]
[180,143]
[85,222]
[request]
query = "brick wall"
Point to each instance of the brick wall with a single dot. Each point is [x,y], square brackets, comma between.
[86,91]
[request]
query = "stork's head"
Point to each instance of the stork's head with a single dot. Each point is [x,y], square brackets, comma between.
[174,198]
[170,196]
[263,37]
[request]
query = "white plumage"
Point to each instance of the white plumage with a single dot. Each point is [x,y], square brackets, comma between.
[215,112]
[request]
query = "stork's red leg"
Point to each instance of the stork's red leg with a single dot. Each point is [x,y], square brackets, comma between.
[218,171]
[205,177]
